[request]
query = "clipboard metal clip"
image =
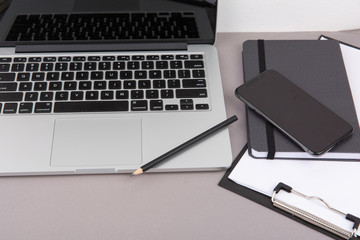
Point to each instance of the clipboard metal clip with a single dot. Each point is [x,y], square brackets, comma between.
[312,218]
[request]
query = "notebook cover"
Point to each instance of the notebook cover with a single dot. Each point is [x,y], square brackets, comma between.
[262,199]
[315,66]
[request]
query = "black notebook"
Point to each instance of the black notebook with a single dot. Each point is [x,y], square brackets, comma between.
[318,68]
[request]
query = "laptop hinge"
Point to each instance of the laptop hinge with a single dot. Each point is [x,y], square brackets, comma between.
[40,48]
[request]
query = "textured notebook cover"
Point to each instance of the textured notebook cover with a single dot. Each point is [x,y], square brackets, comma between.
[315,66]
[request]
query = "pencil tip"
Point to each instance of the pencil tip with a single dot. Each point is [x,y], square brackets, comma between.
[137,172]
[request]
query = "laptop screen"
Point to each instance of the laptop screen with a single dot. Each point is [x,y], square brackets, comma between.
[92,21]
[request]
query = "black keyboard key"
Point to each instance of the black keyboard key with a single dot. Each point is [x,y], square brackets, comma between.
[49,59]
[11,96]
[197,73]
[202,106]
[32,67]
[100,85]
[125,75]
[4,67]
[139,105]
[108,58]
[137,94]
[55,85]
[20,59]
[18,67]
[8,87]
[196,56]
[194,83]
[118,65]
[4,59]
[63,66]
[38,76]
[194,64]
[171,107]
[94,58]
[111,75]
[176,64]
[183,73]
[23,77]
[122,94]
[129,84]
[140,75]
[25,107]
[64,59]
[43,107]
[107,95]
[79,59]
[162,65]
[114,84]
[25,86]
[174,83]
[104,65]
[144,84]
[133,65]
[151,94]
[92,95]
[7,77]
[91,106]
[70,85]
[90,66]
[84,85]
[159,84]
[191,93]
[76,66]
[138,57]
[169,74]
[123,58]
[47,67]
[31,96]
[62,96]
[156,105]
[154,74]
[46,96]
[167,93]
[40,86]
[97,75]
[77,95]
[67,76]
[186,104]
[182,57]
[34,59]
[167,57]
[147,65]
[10,108]
[52,76]
[82,75]
[152,57]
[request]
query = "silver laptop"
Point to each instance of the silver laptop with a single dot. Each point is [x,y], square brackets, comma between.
[105,86]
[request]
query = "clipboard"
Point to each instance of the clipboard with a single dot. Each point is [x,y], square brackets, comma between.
[266,201]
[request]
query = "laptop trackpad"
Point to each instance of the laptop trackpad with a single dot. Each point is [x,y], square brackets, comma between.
[96,142]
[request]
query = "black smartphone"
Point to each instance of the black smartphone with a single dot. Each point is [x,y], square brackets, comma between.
[310,124]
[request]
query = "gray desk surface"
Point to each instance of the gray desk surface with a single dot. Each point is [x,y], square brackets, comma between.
[152,206]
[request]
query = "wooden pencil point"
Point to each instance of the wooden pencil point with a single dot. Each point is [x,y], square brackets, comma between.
[137,172]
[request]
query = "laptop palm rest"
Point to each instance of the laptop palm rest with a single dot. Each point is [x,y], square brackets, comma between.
[97,142]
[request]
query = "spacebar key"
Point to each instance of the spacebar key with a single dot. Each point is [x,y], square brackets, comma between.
[91,106]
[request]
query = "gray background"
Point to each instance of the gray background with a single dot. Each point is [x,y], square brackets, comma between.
[154,205]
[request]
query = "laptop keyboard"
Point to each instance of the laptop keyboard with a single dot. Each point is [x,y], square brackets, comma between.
[102,83]
[58,27]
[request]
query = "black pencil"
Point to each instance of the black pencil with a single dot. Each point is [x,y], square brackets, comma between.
[185,145]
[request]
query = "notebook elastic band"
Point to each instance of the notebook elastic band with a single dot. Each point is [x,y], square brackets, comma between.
[269,128]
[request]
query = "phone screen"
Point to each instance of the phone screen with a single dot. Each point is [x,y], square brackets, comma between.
[301,117]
